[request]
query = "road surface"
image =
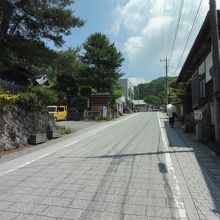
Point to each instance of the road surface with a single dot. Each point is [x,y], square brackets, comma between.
[121,170]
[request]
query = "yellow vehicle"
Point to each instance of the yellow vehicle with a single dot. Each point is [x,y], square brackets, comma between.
[58,112]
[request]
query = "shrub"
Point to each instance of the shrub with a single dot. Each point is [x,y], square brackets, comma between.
[64,130]
[38,97]
[7,99]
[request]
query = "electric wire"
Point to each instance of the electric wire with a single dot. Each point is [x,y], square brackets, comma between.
[194,21]
[162,37]
[171,26]
[177,28]
[135,21]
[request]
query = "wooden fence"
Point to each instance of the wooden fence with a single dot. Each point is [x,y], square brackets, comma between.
[10,87]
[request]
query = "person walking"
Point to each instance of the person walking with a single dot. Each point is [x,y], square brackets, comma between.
[171,112]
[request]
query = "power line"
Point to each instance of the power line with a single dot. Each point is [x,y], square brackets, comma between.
[177,27]
[162,37]
[197,12]
[171,26]
[135,21]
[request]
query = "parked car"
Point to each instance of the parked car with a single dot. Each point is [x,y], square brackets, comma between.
[58,112]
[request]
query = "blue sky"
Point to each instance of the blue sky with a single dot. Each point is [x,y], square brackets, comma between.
[143,30]
[97,16]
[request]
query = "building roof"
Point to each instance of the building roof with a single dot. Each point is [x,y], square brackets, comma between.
[101,94]
[200,49]
[139,102]
[125,80]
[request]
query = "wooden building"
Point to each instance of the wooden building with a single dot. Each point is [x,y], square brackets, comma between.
[198,104]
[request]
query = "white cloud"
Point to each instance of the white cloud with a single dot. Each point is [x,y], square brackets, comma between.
[133,46]
[149,34]
[128,16]
[135,81]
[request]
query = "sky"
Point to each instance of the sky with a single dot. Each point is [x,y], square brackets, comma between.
[145,31]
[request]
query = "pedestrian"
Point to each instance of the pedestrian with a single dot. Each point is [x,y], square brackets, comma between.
[171,112]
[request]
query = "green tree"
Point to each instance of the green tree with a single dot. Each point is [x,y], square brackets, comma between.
[103,63]
[37,20]
[152,99]
[177,92]
[116,92]
[68,68]
[154,92]
[37,98]
[25,26]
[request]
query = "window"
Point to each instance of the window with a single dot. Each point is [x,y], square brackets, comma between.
[51,109]
[60,109]
[202,88]
[195,92]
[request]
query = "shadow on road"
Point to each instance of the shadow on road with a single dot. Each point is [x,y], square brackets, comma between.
[140,154]
[135,154]
[179,140]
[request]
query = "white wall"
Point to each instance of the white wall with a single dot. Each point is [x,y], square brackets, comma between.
[202,68]
[208,64]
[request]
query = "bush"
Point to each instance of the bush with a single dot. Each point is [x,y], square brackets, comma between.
[7,99]
[38,97]
[64,130]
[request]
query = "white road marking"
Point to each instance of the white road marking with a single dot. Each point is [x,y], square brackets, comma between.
[171,172]
[38,158]
[10,166]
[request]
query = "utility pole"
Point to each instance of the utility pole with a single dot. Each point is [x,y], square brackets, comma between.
[215,69]
[166,85]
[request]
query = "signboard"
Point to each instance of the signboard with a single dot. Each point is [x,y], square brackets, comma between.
[42,80]
[198,115]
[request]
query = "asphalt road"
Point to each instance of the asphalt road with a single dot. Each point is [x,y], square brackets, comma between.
[124,169]
[78,125]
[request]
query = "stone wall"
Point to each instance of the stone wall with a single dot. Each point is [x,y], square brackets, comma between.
[17,124]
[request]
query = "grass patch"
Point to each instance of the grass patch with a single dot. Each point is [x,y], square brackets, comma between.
[64,130]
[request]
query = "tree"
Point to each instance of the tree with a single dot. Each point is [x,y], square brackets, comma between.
[103,63]
[177,91]
[116,92]
[25,25]
[68,69]
[154,100]
[37,19]
[154,92]
[37,98]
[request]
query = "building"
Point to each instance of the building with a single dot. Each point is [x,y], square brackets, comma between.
[198,106]
[128,91]
[119,105]
[140,105]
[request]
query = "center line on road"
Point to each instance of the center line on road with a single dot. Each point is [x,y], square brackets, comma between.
[38,158]
[10,166]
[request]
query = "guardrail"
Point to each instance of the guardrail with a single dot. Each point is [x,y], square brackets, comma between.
[10,87]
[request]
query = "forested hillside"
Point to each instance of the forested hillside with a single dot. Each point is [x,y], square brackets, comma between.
[154,91]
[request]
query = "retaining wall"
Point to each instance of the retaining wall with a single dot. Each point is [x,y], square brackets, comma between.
[17,124]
